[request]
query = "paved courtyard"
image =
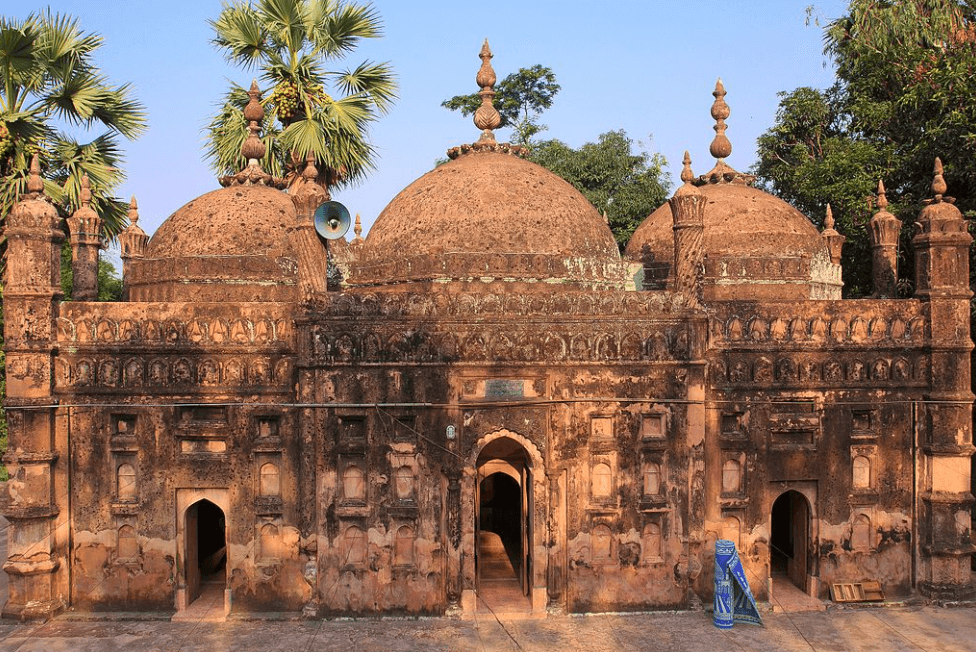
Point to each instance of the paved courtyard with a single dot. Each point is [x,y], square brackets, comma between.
[882,629]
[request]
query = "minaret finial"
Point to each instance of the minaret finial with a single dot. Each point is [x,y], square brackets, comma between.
[687,176]
[133,211]
[358,228]
[882,198]
[311,172]
[486,117]
[829,219]
[34,182]
[721,146]
[86,195]
[938,182]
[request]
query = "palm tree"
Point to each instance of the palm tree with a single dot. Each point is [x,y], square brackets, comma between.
[50,83]
[310,108]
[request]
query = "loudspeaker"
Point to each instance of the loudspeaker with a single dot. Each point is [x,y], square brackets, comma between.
[332,220]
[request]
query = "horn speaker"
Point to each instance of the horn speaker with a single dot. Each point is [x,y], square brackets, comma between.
[332,220]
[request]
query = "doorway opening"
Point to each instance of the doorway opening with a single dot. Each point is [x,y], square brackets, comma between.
[206,550]
[789,539]
[503,527]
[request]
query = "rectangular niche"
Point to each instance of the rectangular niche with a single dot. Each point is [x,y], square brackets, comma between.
[268,426]
[653,426]
[864,423]
[209,414]
[601,428]
[123,433]
[794,425]
[733,424]
[352,431]
[405,429]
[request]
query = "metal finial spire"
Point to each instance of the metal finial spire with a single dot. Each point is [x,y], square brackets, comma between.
[486,117]
[721,146]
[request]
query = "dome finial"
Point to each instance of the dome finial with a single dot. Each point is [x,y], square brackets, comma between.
[253,150]
[34,182]
[486,117]
[721,146]
[358,228]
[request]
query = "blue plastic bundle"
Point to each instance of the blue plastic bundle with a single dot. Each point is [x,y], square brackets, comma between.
[733,599]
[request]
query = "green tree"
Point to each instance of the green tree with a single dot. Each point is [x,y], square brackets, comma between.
[309,108]
[520,100]
[50,81]
[905,78]
[623,184]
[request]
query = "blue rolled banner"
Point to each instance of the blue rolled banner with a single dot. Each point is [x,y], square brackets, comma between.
[733,599]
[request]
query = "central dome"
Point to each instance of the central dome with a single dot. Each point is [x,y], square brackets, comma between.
[489,216]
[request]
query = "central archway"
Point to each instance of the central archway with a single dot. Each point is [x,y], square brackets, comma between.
[505,481]
[206,548]
[790,538]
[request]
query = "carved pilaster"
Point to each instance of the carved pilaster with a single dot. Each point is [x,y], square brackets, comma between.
[945,421]
[32,500]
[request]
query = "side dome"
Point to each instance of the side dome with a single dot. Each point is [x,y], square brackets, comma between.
[231,244]
[489,217]
[756,247]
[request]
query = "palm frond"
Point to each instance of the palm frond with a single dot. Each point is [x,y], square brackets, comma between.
[240,33]
[341,29]
[373,79]
[285,23]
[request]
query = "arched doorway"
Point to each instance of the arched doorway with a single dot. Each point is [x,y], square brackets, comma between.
[790,539]
[206,549]
[503,526]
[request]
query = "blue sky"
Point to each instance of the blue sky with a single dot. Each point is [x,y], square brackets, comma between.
[644,66]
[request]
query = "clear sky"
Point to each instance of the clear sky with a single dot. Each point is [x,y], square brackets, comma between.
[645,66]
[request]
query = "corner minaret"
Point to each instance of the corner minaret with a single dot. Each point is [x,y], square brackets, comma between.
[688,212]
[832,239]
[945,418]
[884,230]
[85,227]
[132,244]
[36,493]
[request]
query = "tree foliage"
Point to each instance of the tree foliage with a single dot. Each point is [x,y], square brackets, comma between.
[624,184]
[52,94]
[520,99]
[309,107]
[905,79]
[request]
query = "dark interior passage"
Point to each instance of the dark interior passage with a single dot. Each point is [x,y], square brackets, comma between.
[781,536]
[500,514]
[211,542]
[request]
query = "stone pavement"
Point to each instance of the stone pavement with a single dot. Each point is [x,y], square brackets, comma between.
[867,629]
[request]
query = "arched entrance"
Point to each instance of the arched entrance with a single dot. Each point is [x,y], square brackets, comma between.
[506,482]
[789,539]
[206,549]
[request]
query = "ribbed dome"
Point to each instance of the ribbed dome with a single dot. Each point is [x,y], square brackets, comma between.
[490,214]
[754,243]
[229,244]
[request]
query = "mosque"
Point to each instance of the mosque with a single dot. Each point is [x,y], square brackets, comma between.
[489,406]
